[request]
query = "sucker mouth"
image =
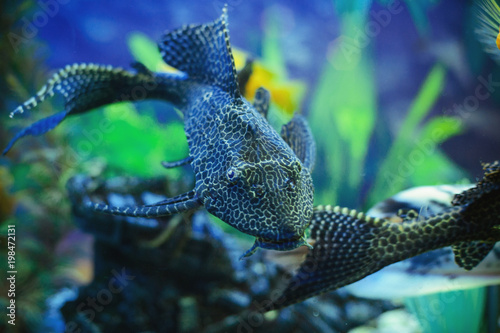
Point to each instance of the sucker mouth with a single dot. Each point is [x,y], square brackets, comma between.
[285,245]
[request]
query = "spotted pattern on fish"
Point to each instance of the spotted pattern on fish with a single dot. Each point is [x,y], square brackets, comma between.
[87,86]
[348,245]
[258,181]
[245,173]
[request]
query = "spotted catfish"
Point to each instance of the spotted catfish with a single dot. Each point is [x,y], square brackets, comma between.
[349,245]
[246,173]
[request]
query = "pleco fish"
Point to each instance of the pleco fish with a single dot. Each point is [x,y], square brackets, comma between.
[430,272]
[258,181]
[246,173]
[349,245]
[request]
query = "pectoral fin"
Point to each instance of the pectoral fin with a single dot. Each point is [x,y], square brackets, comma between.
[277,246]
[85,87]
[42,126]
[170,165]
[179,204]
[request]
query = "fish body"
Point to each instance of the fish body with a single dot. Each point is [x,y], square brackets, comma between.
[246,173]
[349,245]
[259,181]
[430,272]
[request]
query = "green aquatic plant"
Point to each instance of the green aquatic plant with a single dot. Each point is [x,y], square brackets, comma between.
[418,12]
[145,50]
[32,280]
[415,149]
[345,119]
[342,117]
[103,134]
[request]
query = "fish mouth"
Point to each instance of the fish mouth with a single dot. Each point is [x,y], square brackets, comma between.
[285,245]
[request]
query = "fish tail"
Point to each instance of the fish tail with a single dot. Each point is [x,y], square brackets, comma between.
[348,245]
[85,87]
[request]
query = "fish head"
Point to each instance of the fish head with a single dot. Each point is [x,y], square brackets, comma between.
[271,200]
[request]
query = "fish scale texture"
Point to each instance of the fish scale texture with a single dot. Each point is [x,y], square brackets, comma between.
[180,49]
[350,245]
[246,173]
[259,181]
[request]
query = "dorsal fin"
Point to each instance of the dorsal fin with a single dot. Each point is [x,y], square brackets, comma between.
[204,53]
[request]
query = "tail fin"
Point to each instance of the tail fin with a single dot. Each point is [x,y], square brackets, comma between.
[349,245]
[88,86]
[204,53]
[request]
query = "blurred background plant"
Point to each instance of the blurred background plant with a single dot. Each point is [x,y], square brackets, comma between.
[377,80]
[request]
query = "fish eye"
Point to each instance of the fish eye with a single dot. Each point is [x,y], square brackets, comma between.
[231,174]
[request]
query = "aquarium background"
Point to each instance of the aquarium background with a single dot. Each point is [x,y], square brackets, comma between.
[389,88]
